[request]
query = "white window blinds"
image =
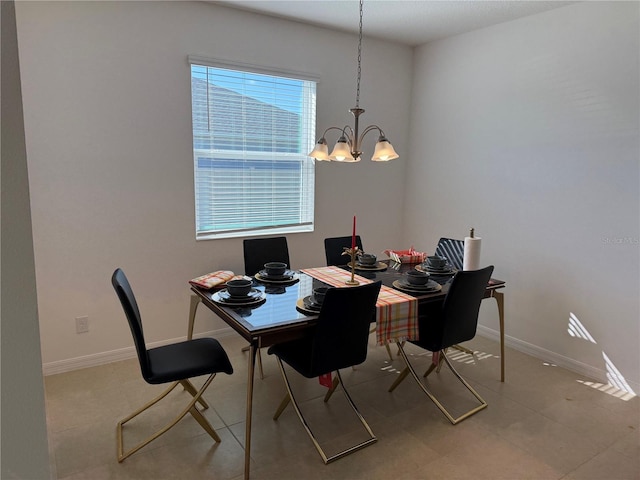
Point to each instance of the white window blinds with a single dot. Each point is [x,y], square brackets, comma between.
[251,135]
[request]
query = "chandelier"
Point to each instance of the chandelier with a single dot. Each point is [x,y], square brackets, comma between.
[348,147]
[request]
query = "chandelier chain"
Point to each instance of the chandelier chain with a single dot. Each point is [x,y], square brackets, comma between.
[348,148]
[359,57]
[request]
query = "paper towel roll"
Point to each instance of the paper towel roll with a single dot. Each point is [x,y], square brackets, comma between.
[471,259]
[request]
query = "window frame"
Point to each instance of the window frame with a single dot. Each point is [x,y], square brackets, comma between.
[307,164]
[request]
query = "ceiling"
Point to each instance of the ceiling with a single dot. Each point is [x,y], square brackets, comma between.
[410,22]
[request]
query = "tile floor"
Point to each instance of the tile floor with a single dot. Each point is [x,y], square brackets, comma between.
[542,423]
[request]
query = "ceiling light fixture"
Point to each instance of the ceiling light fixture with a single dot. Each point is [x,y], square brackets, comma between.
[347,149]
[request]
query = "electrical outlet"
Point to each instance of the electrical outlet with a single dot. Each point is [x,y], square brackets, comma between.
[82,324]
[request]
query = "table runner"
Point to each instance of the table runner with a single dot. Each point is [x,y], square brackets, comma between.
[396,312]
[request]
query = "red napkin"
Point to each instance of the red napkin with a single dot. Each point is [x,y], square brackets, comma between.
[326,380]
[406,256]
[214,279]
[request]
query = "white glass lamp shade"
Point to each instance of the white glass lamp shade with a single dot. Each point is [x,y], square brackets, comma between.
[321,151]
[384,151]
[342,151]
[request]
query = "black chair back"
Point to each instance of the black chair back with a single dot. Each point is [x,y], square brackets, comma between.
[462,305]
[130,306]
[342,333]
[456,320]
[258,251]
[453,250]
[333,248]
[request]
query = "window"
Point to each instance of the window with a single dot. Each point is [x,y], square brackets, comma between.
[252,130]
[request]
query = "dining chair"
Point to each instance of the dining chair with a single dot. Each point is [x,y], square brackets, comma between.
[257,252]
[334,246]
[175,363]
[452,250]
[456,321]
[338,340]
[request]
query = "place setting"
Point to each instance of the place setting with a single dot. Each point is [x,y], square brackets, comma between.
[369,262]
[239,293]
[416,281]
[311,304]
[437,266]
[277,273]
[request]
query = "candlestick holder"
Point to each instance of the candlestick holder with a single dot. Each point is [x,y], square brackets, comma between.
[352,252]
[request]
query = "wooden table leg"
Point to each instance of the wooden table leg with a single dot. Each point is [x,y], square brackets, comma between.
[499,296]
[253,348]
[195,301]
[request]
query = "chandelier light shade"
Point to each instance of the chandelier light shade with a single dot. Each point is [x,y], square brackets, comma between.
[348,146]
[342,151]
[384,151]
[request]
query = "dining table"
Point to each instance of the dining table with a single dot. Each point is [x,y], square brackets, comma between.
[276,312]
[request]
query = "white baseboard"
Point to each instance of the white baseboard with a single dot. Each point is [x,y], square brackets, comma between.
[127,353]
[584,369]
[103,358]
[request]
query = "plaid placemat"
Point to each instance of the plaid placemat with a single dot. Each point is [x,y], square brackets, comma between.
[396,312]
[214,279]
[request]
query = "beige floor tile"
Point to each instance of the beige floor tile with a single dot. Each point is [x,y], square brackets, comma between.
[490,457]
[542,423]
[602,425]
[555,444]
[609,465]
[629,445]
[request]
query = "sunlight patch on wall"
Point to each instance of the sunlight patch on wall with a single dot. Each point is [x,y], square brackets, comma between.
[615,377]
[576,329]
[617,386]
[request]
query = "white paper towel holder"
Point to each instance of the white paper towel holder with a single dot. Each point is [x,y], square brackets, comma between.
[471,257]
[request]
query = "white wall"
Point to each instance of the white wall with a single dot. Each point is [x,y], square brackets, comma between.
[107,115]
[24,430]
[528,131]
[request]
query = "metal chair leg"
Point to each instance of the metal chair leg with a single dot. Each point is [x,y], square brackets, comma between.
[332,389]
[190,408]
[188,386]
[283,404]
[373,329]
[462,349]
[436,364]
[372,438]
[388,351]
[401,377]
[452,419]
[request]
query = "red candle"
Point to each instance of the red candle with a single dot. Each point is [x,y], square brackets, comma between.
[353,236]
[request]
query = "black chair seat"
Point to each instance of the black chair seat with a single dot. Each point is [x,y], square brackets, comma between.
[192,358]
